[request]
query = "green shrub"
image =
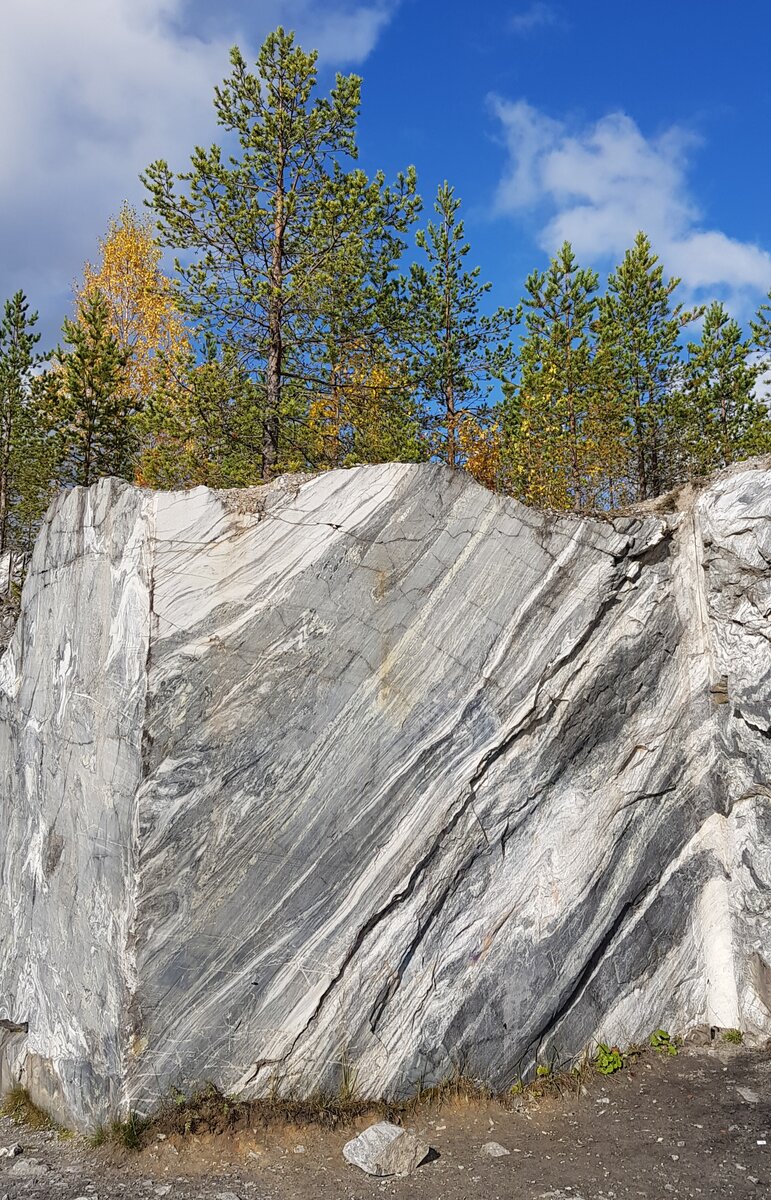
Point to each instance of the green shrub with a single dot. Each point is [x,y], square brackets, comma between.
[662,1042]
[609,1059]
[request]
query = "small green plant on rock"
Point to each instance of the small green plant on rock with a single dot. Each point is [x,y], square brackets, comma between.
[734,1036]
[662,1042]
[609,1059]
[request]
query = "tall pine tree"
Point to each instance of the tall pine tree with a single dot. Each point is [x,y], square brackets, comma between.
[93,407]
[556,429]
[639,331]
[717,415]
[454,350]
[18,361]
[265,229]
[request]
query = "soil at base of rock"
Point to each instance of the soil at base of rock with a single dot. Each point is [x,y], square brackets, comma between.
[663,1127]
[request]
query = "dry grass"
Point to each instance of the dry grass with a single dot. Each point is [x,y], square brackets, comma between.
[21,1109]
[208,1111]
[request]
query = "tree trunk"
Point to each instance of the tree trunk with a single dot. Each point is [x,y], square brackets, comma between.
[6,459]
[271,423]
[449,391]
[3,506]
[273,378]
[639,429]
[88,451]
[573,426]
[452,437]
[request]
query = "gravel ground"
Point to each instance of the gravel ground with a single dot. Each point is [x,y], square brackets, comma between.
[698,1124]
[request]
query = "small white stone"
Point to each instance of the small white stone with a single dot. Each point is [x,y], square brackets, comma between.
[494,1150]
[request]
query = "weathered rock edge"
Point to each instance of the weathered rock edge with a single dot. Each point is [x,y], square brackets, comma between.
[375,776]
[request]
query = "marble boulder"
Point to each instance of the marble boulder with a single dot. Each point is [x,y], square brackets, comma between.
[371,777]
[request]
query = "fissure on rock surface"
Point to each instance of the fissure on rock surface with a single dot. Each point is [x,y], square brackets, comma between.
[377,775]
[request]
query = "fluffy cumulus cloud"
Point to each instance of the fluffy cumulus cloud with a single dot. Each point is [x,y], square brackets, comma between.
[597,185]
[92,91]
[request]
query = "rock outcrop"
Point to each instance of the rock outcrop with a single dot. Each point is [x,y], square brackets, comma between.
[374,776]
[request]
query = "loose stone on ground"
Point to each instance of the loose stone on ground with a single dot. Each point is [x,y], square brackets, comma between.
[386,1149]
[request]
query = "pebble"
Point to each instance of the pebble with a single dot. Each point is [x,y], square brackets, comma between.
[494,1150]
[29,1167]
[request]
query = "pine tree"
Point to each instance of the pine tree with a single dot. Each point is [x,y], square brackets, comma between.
[761,335]
[554,425]
[717,416]
[203,427]
[37,466]
[639,331]
[761,327]
[353,373]
[18,361]
[454,351]
[92,404]
[265,230]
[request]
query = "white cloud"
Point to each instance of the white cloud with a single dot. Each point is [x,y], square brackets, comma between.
[597,185]
[535,16]
[91,91]
[342,33]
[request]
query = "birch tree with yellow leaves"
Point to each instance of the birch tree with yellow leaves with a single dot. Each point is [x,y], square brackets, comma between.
[140,298]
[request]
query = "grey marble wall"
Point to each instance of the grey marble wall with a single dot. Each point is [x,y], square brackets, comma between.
[375,773]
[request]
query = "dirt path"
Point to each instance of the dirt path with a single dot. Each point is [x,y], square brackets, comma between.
[667,1127]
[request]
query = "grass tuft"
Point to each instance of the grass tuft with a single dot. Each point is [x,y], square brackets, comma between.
[99,1137]
[22,1110]
[128,1133]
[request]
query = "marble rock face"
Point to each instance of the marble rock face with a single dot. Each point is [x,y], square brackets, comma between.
[374,776]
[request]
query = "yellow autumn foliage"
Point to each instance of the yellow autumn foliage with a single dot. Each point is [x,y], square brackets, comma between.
[364,417]
[479,446]
[144,317]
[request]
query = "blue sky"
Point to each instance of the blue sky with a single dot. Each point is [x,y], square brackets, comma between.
[551,120]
